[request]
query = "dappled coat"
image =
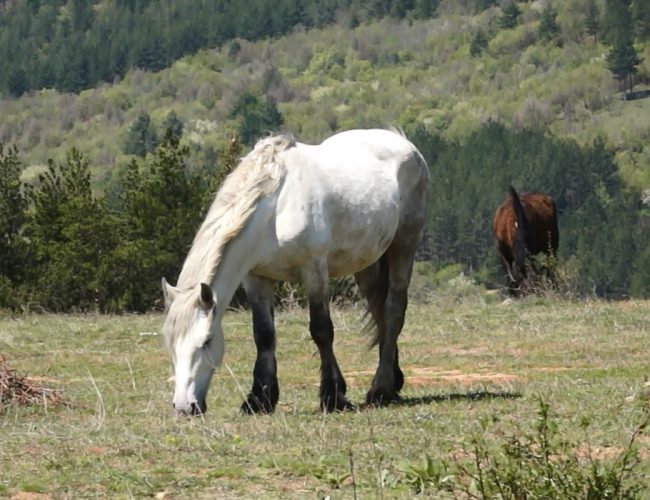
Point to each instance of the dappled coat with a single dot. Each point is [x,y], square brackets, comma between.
[524,226]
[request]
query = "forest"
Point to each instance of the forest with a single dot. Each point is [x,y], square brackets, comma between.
[60,44]
[110,153]
[66,248]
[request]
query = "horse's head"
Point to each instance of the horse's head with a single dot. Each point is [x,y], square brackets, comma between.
[195,342]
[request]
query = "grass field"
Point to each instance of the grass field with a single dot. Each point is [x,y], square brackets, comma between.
[472,369]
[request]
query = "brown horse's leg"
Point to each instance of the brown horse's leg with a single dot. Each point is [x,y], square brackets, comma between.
[265,392]
[332,385]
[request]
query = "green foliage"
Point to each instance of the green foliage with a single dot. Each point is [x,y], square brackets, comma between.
[599,220]
[142,137]
[75,44]
[68,250]
[163,204]
[478,44]
[77,254]
[431,475]
[544,465]
[617,22]
[548,27]
[623,60]
[173,126]
[592,20]
[256,117]
[13,217]
[538,464]
[70,233]
[640,11]
[510,15]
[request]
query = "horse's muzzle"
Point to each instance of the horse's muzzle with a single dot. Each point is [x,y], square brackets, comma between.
[193,409]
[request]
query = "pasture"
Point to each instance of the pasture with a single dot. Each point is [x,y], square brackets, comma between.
[472,368]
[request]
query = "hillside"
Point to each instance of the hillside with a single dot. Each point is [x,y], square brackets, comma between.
[376,74]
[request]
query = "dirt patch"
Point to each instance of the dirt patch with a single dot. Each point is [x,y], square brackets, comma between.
[26,495]
[632,304]
[599,453]
[423,376]
[428,376]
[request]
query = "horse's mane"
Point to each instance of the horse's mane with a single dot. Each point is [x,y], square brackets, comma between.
[258,174]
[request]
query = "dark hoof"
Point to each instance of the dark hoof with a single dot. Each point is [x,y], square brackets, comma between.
[253,404]
[337,403]
[376,397]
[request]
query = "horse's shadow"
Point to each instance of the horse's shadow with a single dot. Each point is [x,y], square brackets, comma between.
[443,398]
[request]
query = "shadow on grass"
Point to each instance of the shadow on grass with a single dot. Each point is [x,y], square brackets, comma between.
[443,398]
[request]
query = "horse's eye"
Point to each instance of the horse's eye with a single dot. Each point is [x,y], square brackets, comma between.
[206,344]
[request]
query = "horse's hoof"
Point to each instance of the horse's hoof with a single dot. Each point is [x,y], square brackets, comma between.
[377,397]
[338,403]
[253,405]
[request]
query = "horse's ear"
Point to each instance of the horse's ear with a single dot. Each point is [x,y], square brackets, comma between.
[169,292]
[207,298]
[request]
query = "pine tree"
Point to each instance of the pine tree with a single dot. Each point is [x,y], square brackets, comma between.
[14,250]
[72,232]
[478,44]
[142,137]
[640,10]
[617,21]
[163,204]
[592,20]
[256,117]
[509,15]
[173,125]
[623,59]
[548,27]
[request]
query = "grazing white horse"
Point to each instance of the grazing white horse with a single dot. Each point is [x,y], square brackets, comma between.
[355,203]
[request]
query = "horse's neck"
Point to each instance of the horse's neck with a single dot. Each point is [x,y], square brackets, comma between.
[239,257]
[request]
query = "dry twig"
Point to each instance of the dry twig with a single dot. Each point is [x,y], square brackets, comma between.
[15,389]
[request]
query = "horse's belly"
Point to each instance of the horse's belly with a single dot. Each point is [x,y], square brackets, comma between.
[347,247]
[360,249]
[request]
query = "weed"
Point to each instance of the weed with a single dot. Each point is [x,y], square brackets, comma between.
[432,474]
[544,465]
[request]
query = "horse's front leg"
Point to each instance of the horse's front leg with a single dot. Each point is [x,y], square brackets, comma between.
[265,392]
[332,385]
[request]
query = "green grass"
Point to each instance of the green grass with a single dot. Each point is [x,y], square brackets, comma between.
[465,364]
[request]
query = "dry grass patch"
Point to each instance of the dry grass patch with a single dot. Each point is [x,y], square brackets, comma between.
[465,365]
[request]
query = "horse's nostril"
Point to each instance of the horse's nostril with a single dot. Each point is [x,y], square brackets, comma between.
[197,408]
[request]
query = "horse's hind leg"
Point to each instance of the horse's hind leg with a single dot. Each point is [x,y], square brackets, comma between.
[388,379]
[332,385]
[375,290]
[265,391]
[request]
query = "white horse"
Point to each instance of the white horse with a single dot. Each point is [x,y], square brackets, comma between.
[295,212]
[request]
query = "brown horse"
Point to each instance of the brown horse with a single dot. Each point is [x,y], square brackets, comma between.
[524,226]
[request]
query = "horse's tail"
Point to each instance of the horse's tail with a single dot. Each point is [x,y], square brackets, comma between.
[522,234]
[376,299]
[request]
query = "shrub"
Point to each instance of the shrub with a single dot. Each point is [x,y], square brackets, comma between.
[537,464]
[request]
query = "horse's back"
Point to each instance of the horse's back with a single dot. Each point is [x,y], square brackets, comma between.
[541,214]
[382,154]
[344,200]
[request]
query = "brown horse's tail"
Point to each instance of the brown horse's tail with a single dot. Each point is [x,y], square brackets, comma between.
[376,299]
[521,242]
